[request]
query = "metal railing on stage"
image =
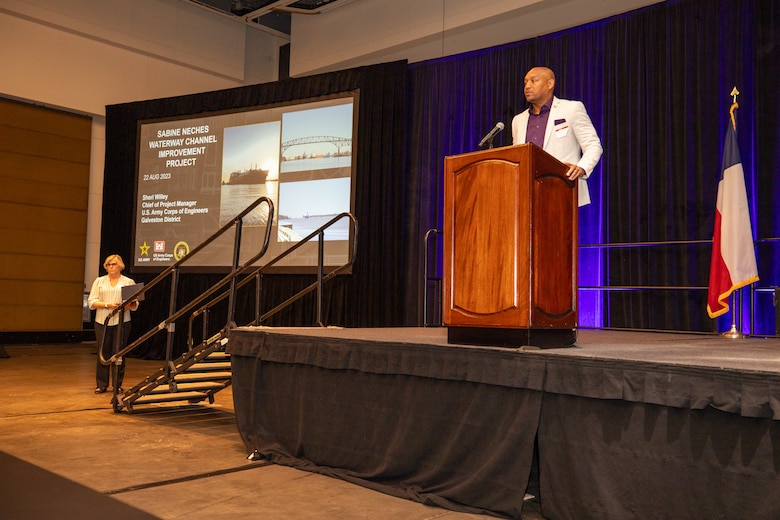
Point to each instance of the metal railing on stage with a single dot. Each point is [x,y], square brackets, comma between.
[168,324]
[759,288]
[257,273]
[433,278]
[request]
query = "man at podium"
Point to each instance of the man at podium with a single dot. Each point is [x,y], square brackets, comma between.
[561,127]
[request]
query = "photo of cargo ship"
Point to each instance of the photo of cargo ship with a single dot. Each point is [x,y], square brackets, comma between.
[251,176]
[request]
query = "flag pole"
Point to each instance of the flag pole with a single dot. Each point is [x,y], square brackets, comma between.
[734,106]
[733,263]
[734,332]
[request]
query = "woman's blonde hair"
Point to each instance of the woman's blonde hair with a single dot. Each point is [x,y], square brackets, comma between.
[115,258]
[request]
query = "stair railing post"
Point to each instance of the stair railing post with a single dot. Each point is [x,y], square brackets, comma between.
[320,267]
[258,294]
[190,339]
[205,330]
[118,361]
[171,327]
[232,295]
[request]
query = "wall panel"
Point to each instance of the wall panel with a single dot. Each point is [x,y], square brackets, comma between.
[44,171]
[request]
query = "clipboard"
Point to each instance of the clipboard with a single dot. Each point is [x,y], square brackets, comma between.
[129,290]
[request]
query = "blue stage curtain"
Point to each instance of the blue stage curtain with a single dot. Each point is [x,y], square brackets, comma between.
[657,83]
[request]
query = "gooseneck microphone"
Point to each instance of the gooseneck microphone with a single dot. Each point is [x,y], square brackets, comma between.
[488,139]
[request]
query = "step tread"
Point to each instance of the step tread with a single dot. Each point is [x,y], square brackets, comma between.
[213,358]
[209,367]
[168,397]
[193,386]
[191,377]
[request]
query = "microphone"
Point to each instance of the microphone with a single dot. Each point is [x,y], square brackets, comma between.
[489,137]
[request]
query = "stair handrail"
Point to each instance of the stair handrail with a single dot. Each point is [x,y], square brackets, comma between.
[173,270]
[258,272]
[321,276]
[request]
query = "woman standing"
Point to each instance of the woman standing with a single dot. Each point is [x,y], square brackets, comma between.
[105,296]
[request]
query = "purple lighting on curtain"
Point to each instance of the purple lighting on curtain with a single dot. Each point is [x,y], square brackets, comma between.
[655,82]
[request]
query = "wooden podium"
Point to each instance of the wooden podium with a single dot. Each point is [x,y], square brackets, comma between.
[510,249]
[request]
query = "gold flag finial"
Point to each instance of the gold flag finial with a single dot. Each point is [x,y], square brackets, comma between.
[734,93]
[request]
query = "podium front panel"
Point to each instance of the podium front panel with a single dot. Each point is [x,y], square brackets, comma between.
[489,225]
[554,250]
[510,217]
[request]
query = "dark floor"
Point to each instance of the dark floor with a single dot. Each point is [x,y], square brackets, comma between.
[188,462]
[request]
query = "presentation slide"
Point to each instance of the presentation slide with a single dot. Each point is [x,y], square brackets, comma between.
[196,174]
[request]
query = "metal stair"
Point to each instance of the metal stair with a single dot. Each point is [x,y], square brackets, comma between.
[194,377]
[205,368]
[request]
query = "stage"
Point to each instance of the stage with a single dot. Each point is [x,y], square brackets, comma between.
[627,425]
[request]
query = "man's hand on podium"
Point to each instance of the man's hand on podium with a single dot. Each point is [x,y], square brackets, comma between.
[574,172]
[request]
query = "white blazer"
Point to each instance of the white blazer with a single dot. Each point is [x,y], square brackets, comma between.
[569,137]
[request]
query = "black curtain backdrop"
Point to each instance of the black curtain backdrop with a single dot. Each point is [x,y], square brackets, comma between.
[656,82]
[657,85]
[378,291]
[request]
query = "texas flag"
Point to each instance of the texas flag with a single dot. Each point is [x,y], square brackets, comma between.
[733,262]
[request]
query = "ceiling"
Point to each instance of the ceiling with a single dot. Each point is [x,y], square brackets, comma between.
[271,15]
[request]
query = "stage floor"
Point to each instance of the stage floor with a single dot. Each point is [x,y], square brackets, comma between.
[756,355]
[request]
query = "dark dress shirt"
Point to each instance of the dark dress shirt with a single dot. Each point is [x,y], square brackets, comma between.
[537,123]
